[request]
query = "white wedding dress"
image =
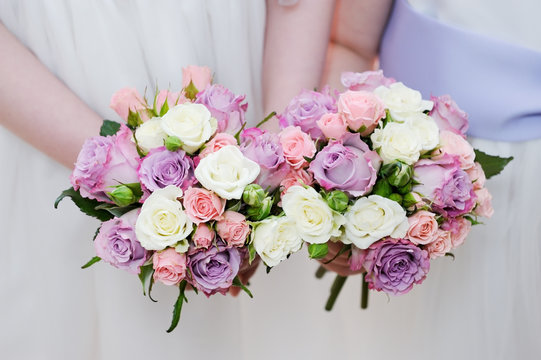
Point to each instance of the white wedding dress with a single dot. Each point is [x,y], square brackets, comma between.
[481,306]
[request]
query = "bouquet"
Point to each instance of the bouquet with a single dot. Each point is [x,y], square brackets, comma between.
[390,180]
[174,186]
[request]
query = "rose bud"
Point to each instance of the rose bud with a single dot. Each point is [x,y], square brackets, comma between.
[173,143]
[122,195]
[337,200]
[382,188]
[408,200]
[398,174]
[253,195]
[396,197]
[260,212]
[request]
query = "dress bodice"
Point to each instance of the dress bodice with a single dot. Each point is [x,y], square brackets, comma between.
[496,82]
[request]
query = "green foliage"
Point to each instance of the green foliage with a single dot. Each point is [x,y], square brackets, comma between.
[91,262]
[178,306]
[318,251]
[109,128]
[238,283]
[491,164]
[88,206]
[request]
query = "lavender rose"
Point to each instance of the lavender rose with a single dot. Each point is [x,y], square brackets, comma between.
[348,165]
[367,81]
[105,162]
[445,185]
[394,266]
[264,148]
[306,109]
[162,167]
[213,270]
[448,115]
[117,244]
[225,106]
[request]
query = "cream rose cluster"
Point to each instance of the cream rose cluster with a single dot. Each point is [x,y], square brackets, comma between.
[275,238]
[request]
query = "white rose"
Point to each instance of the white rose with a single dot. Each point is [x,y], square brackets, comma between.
[373,218]
[150,134]
[227,172]
[275,238]
[162,221]
[191,123]
[402,101]
[427,130]
[397,141]
[316,222]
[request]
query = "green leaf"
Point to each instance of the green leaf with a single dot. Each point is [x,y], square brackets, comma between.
[472,220]
[451,255]
[491,164]
[164,109]
[91,262]
[96,233]
[268,270]
[318,251]
[238,283]
[233,205]
[178,306]
[146,276]
[88,206]
[109,128]
[116,211]
[173,143]
[252,252]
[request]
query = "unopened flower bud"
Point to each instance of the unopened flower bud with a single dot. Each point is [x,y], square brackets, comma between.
[337,200]
[396,197]
[122,196]
[382,188]
[253,195]
[409,200]
[258,213]
[398,174]
[173,143]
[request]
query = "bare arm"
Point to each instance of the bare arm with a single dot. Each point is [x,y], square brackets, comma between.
[295,45]
[38,107]
[356,32]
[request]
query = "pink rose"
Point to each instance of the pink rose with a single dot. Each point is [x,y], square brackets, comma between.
[201,76]
[441,244]
[203,205]
[203,236]
[477,176]
[459,228]
[361,108]
[296,145]
[233,228]
[448,115]
[484,203]
[367,81]
[423,228]
[128,99]
[453,144]
[104,162]
[296,177]
[169,266]
[218,141]
[173,98]
[333,126]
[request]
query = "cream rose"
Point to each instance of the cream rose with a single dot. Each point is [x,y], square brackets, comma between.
[373,218]
[191,123]
[427,130]
[397,141]
[227,172]
[315,221]
[275,238]
[162,221]
[150,134]
[402,101]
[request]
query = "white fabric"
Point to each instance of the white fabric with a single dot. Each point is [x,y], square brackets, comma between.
[481,306]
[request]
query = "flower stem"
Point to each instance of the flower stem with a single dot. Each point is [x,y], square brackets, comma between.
[270,116]
[335,290]
[320,272]
[364,293]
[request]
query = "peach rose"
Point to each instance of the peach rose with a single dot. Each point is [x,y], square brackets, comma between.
[169,266]
[203,205]
[361,108]
[459,229]
[477,176]
[218,141]
[453,144]
[203,236]
[441,244]
[423,228]
[296,177]
[296,145]
[201,76]
[484,203]
[333,126]
[233,228]
[128,99]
